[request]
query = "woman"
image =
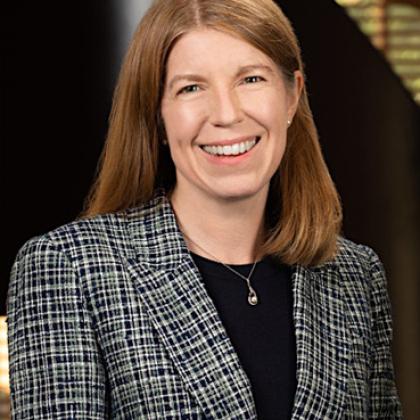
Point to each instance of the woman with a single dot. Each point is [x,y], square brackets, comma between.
[207,278]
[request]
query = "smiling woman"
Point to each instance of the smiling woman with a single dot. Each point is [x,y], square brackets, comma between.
[192,72]
[211,176]
[240,101]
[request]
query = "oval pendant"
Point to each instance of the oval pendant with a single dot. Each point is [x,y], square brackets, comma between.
[252,297]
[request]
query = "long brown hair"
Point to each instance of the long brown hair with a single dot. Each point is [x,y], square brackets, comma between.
[303,211]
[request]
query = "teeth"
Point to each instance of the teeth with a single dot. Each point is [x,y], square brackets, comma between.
[233,149]
[227,150]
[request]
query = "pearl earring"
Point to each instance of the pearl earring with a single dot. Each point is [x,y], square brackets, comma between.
[288,122]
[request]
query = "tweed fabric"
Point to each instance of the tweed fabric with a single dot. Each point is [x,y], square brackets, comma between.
[108,319]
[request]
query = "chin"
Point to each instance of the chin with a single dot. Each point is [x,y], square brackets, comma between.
[237,193]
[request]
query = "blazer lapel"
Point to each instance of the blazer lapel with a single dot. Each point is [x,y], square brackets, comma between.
[187,321]
[185,316]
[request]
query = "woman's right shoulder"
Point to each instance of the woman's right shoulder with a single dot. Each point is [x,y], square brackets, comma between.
[80,233]
[98,235]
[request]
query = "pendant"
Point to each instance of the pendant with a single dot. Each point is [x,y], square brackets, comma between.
[252,297]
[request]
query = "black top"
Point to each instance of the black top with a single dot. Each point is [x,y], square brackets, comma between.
[262,335]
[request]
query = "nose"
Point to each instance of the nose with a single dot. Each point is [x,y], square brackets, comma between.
[225,108]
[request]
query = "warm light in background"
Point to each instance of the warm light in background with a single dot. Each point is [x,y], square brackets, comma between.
[394,28]
[348,2]
[4,371]
[4,375]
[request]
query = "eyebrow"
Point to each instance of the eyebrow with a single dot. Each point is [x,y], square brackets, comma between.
[196,77]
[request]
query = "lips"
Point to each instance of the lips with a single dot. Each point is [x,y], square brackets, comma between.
[229,155]
[234,149]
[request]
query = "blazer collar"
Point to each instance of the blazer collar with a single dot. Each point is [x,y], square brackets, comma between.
[187,321]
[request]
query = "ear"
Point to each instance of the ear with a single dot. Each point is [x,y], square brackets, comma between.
[294,94]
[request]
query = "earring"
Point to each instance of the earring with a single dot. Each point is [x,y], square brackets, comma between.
[288,123]
[164,142]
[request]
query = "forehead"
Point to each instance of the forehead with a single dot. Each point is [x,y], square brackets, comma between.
[199,48]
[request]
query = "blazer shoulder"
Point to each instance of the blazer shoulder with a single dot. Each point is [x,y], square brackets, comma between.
[352,256]
[105,231]
[103,235]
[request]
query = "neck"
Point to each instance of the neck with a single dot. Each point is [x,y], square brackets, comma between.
[228,229]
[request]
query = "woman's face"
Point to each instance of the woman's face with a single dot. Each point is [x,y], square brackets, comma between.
[225,109]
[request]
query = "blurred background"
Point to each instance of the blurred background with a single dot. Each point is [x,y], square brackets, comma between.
[59,63]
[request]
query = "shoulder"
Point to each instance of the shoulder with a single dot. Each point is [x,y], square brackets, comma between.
[354,257]
[99,231]
[358,270]
[96,236]
[362,276]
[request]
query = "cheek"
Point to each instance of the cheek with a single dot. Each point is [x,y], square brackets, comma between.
[268,108]
[181,122]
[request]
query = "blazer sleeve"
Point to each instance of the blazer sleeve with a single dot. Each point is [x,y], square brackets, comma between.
[384,400]
[54,362]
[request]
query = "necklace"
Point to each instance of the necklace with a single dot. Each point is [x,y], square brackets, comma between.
[252,296]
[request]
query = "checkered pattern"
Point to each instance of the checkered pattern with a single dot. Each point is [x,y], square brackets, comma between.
[108,318]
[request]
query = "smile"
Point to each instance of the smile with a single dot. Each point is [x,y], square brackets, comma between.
[232,149]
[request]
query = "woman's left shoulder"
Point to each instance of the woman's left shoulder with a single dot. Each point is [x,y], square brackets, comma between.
[363,281]
[354,258]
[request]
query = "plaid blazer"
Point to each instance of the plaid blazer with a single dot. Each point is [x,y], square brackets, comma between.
[108,319]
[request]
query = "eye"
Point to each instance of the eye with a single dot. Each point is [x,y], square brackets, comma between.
[253,79]
[188,89]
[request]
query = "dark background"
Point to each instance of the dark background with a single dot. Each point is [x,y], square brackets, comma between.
[58,69]
[56,81]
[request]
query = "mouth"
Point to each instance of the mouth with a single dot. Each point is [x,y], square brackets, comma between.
[231,150]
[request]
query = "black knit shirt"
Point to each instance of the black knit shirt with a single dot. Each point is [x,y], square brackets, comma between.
[263,335]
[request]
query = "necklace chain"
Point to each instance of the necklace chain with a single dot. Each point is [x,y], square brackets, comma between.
[252,296]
